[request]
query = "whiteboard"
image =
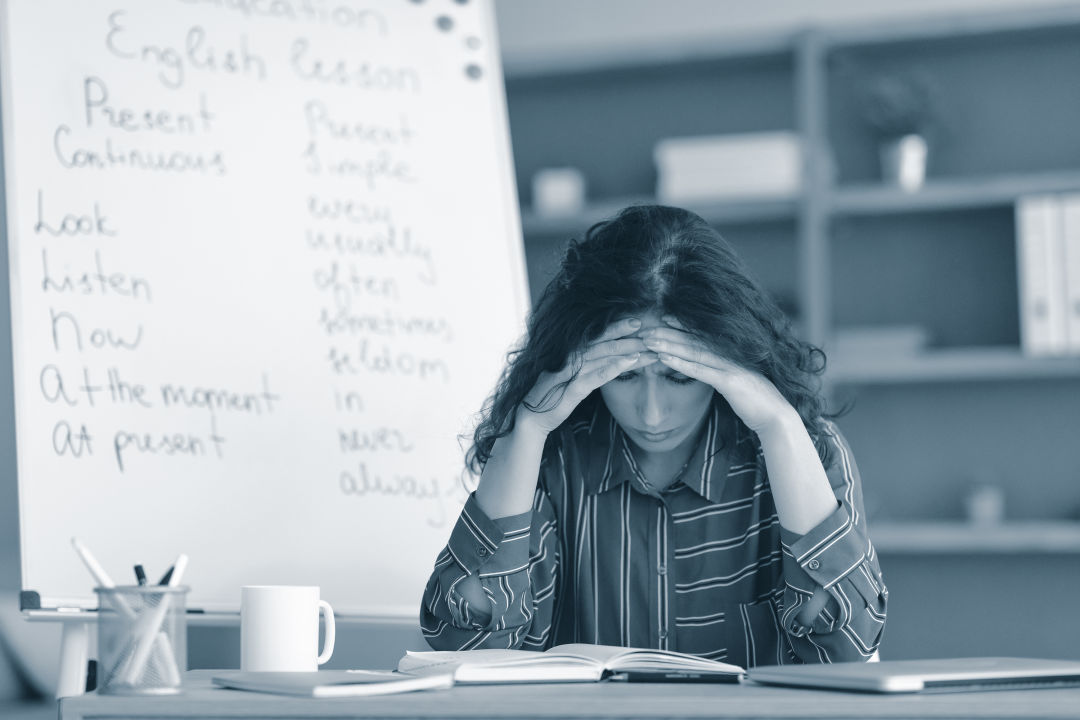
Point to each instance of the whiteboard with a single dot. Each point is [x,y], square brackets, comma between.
[265,266]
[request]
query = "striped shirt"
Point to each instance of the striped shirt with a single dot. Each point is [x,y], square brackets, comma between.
[702,567]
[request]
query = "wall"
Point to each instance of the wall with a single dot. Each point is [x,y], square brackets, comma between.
[566,34]
[559,34]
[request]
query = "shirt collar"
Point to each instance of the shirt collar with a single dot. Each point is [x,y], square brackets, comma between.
[724,441]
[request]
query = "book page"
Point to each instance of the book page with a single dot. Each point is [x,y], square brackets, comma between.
[620,658]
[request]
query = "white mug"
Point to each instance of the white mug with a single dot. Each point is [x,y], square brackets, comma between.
[279,628]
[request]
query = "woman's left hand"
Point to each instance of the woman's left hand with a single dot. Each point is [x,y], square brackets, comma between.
[753,397]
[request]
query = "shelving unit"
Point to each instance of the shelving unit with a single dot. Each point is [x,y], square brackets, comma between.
[719,213]
[947,538]
[850,250]
[948,194]
[966,364]
[970,409]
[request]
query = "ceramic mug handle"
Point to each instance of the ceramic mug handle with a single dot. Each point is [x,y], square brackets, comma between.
[328,640]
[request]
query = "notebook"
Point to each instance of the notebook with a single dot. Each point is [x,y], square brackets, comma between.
[572,662]
[331,683]
[944,675]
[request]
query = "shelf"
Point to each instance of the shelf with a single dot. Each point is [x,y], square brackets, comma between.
[943,538]
[956,194]
[950,365]
[851,201]
[715,211]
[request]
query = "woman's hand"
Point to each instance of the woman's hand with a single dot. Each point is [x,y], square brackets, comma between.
[753,398]
[613,353]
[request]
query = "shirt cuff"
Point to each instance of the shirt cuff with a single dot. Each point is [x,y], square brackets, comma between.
[478,541]
[830,551]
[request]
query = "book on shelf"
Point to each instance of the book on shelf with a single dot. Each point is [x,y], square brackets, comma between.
[1070,204]
[1040,256]
[574,662]
[332,683]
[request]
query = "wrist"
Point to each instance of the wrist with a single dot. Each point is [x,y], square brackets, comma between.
[526,425]
[782,427]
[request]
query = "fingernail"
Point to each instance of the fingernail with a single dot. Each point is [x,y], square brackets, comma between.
[634,357]
[664,357]
[635,323]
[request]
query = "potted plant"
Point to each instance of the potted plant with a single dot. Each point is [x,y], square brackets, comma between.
[901,109]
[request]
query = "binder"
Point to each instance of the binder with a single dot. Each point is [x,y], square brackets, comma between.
[1071,264]
[1041,275]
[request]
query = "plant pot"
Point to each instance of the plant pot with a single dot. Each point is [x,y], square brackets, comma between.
[903,161]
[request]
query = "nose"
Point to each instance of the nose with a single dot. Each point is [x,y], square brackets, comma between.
[651,404]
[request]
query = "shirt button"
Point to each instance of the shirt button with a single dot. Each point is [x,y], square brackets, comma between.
[483,551]
[661,569]
[813,564]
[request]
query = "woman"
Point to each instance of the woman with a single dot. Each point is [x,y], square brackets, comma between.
[655,471]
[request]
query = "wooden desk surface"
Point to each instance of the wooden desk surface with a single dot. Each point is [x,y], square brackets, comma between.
[585,700]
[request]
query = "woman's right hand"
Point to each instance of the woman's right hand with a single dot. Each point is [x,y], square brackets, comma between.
[616,351]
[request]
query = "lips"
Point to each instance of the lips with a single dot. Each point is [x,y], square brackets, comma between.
[656,437]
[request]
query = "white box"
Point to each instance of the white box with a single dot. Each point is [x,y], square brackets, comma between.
[747,165]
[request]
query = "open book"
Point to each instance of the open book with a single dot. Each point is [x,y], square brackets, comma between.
[576,662]
[331,683]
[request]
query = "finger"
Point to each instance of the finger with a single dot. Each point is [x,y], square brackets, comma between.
[693,352]
[618,329]
[668,333]
[646,359]
[673,322]
[572,377]
[605,371]
[698,371]
[623,346]
[591,366]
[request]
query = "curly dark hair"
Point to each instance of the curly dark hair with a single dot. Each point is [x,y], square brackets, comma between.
[667,260]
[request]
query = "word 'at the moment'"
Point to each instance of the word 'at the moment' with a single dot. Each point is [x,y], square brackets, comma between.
[92,389]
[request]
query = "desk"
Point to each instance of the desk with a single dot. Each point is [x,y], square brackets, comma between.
[579,700]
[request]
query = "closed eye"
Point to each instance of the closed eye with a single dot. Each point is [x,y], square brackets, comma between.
[677,378]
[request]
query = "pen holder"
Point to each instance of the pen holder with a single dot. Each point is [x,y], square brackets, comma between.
[142,639]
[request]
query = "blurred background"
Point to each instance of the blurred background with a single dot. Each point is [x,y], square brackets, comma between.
[904,179]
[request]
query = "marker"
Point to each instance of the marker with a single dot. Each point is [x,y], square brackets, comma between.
[140,574]
[92,565]
[101,577]
[163,649]
[167,576]
[148,630]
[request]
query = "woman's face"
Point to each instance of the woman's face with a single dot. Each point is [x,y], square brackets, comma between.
[658,408]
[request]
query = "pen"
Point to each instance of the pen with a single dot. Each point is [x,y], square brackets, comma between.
[100,576]
[140,574]
[167,576]
[149,628]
